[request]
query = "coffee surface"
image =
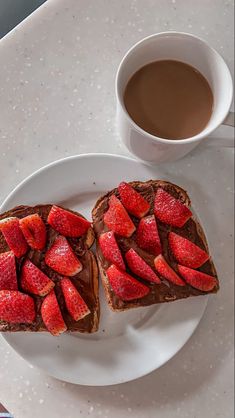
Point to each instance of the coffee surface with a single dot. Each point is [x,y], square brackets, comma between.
[169,99]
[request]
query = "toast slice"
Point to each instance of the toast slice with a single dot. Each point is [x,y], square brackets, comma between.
[166,291]
[86,281]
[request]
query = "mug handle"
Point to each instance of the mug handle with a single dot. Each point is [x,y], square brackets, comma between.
[229,120]
[221,141]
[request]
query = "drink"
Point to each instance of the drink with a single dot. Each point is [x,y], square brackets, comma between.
[169,99]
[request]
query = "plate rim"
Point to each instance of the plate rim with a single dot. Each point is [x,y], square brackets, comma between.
[61,161]
[5,336]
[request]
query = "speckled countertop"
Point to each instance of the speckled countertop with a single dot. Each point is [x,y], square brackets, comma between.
[57,99]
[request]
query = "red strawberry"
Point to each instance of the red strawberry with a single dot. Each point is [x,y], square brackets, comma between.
[13,235]
[16,307]
[8,279]
[60,257]
[186,252]
[110,250]
[166,271]
[170,210]
[51,315]
[132,200]
[34,280]
[147,235]
[125,286]
[34,231]
[197,279]
[140,267]
[117,219]
[75,304]
[67,223]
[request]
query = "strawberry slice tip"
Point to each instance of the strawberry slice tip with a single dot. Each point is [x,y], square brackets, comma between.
[170,210]
[67,223]
[75,304]
[125,286]
[51,315]
[197,279]
[61,258]
[16,307]
[110,249]
[8,279]
[117,219]
[166,271]
[34,280]
[132,200]
[13,235]
[34,231]
[147,236]
[186,252]
[140,267]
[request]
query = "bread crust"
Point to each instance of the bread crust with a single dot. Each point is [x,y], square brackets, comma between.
[160,183]
[95,272]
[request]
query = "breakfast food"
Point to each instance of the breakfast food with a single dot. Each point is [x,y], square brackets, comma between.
[150,249]
[48,275]
[150,246]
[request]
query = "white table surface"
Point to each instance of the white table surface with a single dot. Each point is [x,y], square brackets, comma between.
[57,99]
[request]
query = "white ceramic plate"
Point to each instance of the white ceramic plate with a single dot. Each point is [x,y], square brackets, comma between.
[128,344]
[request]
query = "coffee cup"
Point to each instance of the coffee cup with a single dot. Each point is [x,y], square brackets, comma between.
[191,50]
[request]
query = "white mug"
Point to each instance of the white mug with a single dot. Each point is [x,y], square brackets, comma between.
[181,47]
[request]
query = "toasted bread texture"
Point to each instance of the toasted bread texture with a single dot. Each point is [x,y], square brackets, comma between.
[86,281]
[192,230]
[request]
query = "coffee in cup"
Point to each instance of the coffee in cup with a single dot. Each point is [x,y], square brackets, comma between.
[209,71]
[169,99]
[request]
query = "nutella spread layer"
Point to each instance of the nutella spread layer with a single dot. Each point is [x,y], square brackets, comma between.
[164,290]
[85,281]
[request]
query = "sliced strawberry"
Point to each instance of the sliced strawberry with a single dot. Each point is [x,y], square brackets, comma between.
[51,315]
[147,235]
[34,280]
[166,271]
[34,231]
[16,307]
[197,279]
[8,279]
[117,219]
[110,249]
[75,304]
[132,200]
[186,252]
[125,286]
[12,233]
[67,223]
[170,210]
[60,257]
[140,267]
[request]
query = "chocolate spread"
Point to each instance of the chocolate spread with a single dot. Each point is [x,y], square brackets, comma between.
[83,281]
[165,291]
